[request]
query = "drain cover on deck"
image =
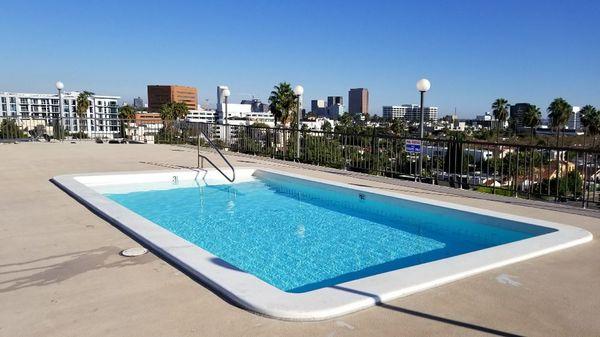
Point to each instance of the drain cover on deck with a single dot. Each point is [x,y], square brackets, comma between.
[136,251]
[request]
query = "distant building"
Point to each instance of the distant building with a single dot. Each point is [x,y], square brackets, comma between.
[358,101]
[202,116]
[158,95]
[517,113]
[257,105]
[138,103]
[394,111]
[486,120]
[574,122]
[334,100]
[101,116]
[144,118]
[410,112]
[318,107]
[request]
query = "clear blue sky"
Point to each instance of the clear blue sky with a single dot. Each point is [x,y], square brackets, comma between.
[472,51]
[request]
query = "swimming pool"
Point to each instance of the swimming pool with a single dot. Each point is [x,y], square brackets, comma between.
[301,248]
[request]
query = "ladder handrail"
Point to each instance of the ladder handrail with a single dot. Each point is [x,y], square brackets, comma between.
[210,161]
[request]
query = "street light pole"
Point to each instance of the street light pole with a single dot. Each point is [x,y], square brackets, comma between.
[298,90]
[226,94]
[59,87]
[423,86]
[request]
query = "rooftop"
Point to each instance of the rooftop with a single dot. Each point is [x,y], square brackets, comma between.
[61,272]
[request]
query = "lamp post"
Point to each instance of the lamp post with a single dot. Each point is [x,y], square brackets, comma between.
[298,91]
[226,94]
[59,87]
[423,86]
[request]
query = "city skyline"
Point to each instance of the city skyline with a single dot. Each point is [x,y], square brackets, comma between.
[472,54]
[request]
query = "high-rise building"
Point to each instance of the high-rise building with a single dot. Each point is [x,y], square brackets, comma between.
[517,113]
[574,122]
[318,107]
[138,103]
[158,95]
[358,101]
[333,100]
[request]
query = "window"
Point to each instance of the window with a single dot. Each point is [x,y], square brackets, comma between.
[13,100]
[23,100]
[24,107]
[65,101]
[13,107]
[4,106]
[3,99]
[55,102]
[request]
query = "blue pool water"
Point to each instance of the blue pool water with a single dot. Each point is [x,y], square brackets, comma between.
[299,236]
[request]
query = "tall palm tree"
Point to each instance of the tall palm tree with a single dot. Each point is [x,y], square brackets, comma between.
[83,105]
[590,119]
[283,103]
[500,110]
[587,116]
[126,114]
[532,118]
[559,112]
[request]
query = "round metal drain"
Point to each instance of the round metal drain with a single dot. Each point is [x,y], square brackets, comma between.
[136,251]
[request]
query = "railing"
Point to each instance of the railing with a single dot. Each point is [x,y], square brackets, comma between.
[202,157]
[569,175]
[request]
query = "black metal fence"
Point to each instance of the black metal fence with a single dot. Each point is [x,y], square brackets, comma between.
[561,174]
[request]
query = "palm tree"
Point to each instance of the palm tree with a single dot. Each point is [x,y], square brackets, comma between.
[173,111]
[500,110]
[587,115]
[532,118]
[83,105]
[126,113]
[283,102]
[590,119]
[559,112]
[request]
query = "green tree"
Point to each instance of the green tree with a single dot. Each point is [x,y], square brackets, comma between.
[559,112]
[532,118]
[283,103]
[398,126]
[260,125]
[590,119]
[500,110]
[10,130]
[126,114]
[173,111]
[83,105]
[326,126]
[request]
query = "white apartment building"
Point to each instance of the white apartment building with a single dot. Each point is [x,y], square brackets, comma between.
[101,116]
[202,116]
[574,122]
[394,111]
[411,112]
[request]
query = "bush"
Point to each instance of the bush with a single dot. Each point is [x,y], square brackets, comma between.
[10,130]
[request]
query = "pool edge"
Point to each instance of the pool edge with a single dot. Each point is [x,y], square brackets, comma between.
[341,299]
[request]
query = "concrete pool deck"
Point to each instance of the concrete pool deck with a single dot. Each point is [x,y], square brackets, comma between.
[61,274]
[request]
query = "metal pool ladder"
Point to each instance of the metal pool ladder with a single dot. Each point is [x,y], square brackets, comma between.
[202,157]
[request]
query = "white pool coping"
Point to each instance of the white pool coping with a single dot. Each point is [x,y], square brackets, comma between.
[249,292]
